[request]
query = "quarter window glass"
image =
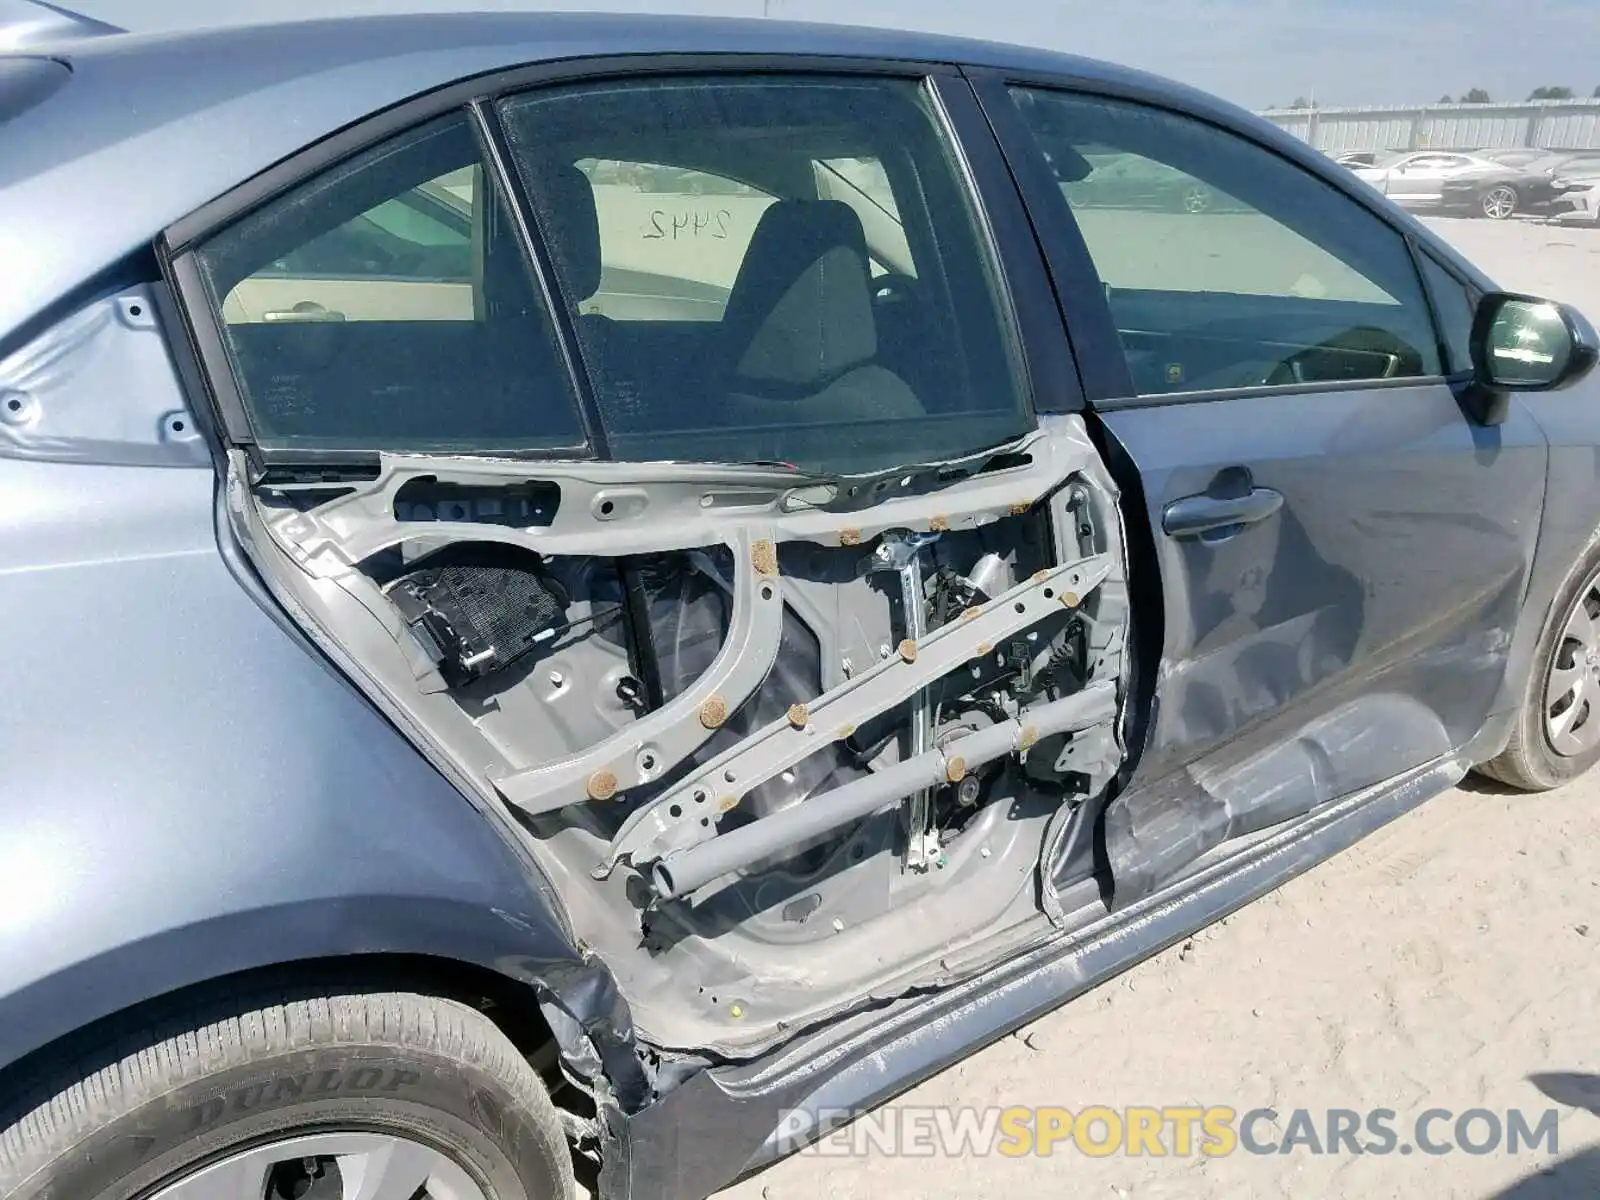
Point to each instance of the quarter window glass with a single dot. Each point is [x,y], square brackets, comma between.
[772,269]
[1226,266]
[387,304]
[422,238]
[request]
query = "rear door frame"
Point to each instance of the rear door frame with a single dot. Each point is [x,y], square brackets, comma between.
[1051,377]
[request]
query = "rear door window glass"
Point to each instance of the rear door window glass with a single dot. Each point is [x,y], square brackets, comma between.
[864,185]
[671,239]
[777,268]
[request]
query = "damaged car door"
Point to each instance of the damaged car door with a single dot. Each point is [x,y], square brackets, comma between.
[768,601]
[1343,540]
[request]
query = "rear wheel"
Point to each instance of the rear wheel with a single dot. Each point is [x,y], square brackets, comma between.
[1499,202]
[381,1096]
[1556,737]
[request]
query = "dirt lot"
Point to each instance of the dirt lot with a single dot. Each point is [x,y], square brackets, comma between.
[1562,262]
[1441,964]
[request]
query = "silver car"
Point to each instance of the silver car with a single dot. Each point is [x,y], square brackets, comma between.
[1417,180]
[594,595]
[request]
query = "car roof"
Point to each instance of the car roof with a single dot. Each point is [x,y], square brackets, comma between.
[152,126]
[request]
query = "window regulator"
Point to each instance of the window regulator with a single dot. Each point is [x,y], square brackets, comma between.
[900,551]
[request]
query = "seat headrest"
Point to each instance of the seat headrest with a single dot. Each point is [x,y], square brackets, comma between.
[800,312]
[572,225]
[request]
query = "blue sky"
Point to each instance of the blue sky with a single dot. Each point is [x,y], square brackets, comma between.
[1255,52]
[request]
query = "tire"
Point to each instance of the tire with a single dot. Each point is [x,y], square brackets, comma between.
[1531,762]
[222,1086]
[1499,203]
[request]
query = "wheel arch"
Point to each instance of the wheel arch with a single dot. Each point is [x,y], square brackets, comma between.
[517,1005]
[109,1098]
[1569,532]
[536,990]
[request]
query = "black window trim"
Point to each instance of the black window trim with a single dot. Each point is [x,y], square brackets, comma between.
[1050,368]
[476,96]
[1080,302]
[536,253]
[1104,370]
[1456,373]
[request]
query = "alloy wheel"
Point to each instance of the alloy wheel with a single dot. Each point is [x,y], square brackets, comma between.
[1196,199]
[329,1166]
[1499,202]
[1572,682]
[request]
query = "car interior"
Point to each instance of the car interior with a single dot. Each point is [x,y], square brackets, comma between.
[820,329]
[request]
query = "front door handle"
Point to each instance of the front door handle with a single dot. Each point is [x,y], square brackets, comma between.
[1194,516]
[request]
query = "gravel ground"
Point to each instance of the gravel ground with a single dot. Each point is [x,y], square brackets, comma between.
[1450,961]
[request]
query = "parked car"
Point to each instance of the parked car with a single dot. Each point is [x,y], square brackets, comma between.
[688,181]
[1578,168]
[1578,177]
[1415,180]
[1121,180]
[457,732]
[1363,158]
[1466,184]
[1534,187]
[1514,156]
[1581,204]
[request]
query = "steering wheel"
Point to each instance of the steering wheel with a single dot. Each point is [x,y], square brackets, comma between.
[1355,355]
[1289,370]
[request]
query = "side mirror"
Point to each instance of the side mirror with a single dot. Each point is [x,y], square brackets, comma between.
[1525,344]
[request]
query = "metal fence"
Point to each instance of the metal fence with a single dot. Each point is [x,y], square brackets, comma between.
[1548,124]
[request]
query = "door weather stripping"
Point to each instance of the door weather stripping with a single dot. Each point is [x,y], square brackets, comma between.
[685,815]
[658,741]
[681,873]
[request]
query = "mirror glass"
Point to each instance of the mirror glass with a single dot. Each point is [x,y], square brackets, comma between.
[1529,344]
